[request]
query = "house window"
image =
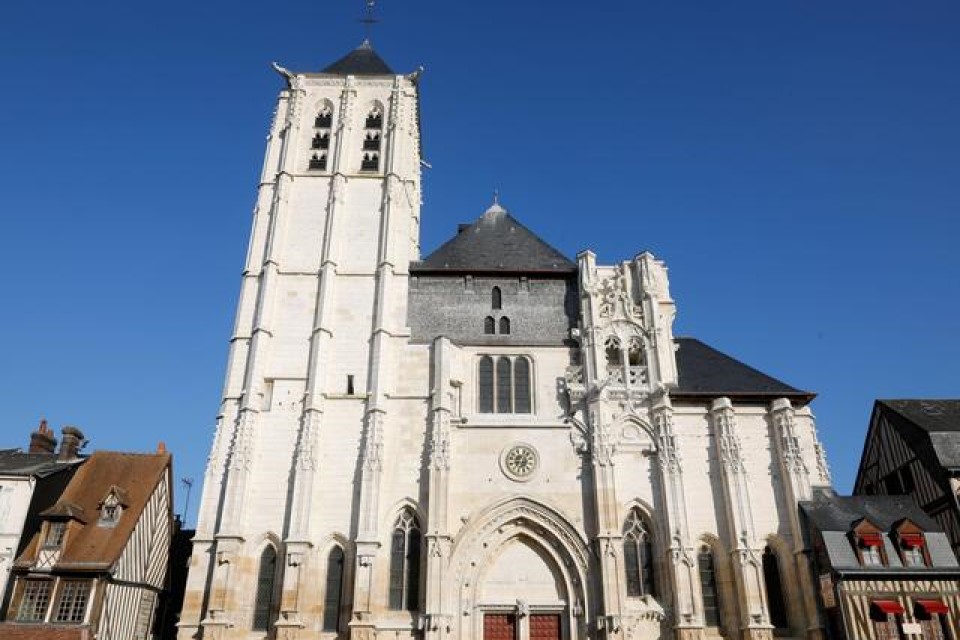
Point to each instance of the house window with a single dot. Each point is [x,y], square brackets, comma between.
[333,591]
[405,563]
[885,616]
[372,132]
[869,546]
[708,588]
[496,299]
[72,603]
[504,385]
[932,616]
[638,556]
[911,548]
[774,587]
[34,601]
[266,579]
[55,534]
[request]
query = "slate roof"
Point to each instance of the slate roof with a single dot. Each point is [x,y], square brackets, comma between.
[92,547]
[14,462]
[496,242]
[704,371]
[936,422]
[362,61]
[835,516]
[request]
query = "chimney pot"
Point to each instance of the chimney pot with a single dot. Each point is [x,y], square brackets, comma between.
[70,443]
[42,440]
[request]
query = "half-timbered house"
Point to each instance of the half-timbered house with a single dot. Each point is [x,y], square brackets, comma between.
[98,563]
[884,569]
[913,448]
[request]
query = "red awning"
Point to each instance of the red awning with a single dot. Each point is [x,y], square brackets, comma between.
[912,540]
[888,606]
[932,606]
[871,540]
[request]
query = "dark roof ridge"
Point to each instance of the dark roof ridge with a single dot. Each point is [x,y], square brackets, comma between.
[362,61]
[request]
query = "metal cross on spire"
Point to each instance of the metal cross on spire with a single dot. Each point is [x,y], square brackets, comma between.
[369,19]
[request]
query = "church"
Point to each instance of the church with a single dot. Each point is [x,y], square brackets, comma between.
[494,441]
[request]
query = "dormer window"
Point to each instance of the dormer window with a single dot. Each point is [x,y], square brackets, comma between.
[868,541]
[911,544]
[56,531]
[111,508]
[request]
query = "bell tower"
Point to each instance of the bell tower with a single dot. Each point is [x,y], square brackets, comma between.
[320,320]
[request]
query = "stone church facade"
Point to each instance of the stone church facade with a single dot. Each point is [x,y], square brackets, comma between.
[490,442]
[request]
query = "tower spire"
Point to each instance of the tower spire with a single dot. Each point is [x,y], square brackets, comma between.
[368,20]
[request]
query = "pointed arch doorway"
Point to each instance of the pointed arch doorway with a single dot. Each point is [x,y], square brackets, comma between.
[522,594]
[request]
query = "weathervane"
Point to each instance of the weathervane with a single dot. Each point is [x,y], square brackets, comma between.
[368,19]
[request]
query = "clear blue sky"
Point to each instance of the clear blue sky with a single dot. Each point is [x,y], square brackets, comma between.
[797,163]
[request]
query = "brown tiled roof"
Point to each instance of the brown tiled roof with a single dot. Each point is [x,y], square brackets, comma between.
[94,547]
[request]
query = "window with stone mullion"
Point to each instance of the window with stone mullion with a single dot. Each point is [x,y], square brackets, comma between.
[708,588]
[504,385]
[638,556]
[405,563]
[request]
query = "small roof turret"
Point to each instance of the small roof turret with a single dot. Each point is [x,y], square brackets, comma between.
[362,61]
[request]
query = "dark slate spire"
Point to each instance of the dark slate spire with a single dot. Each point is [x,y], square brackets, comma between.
[362,61]
[496,242]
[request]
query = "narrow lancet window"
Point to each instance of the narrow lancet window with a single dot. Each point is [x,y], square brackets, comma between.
[333,591]
[521,385]
[708,588]
[504,384]
[405,563]
[505,326]
[489,325]
[485,376]
[266,579]
[638,556]
[771,579]
[496,299]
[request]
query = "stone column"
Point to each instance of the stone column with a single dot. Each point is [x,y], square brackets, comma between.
[439,540]
[745,553]
[688,621]
[796,487]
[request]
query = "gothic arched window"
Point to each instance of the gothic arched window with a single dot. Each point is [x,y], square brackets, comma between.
[708,588]
[372,132]
[504,326]
[613,352]
[496,299]
[521,386]
[266,581]
[635,353]
[504,385]
[771,579]
[405,563]
[320,142]
[333,590]
[638,555]
[489,325]
[485,377]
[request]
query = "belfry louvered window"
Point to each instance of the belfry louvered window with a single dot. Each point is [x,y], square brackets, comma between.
[333,591]
[320,142]
[504,385]
[405,563]
[266,580]
[372,132]
[638,555]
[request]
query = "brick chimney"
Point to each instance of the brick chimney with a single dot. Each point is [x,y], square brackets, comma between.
[42,440]
[71,439]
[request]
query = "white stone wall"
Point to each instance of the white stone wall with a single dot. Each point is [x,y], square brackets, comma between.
[15,495]
[301,464]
